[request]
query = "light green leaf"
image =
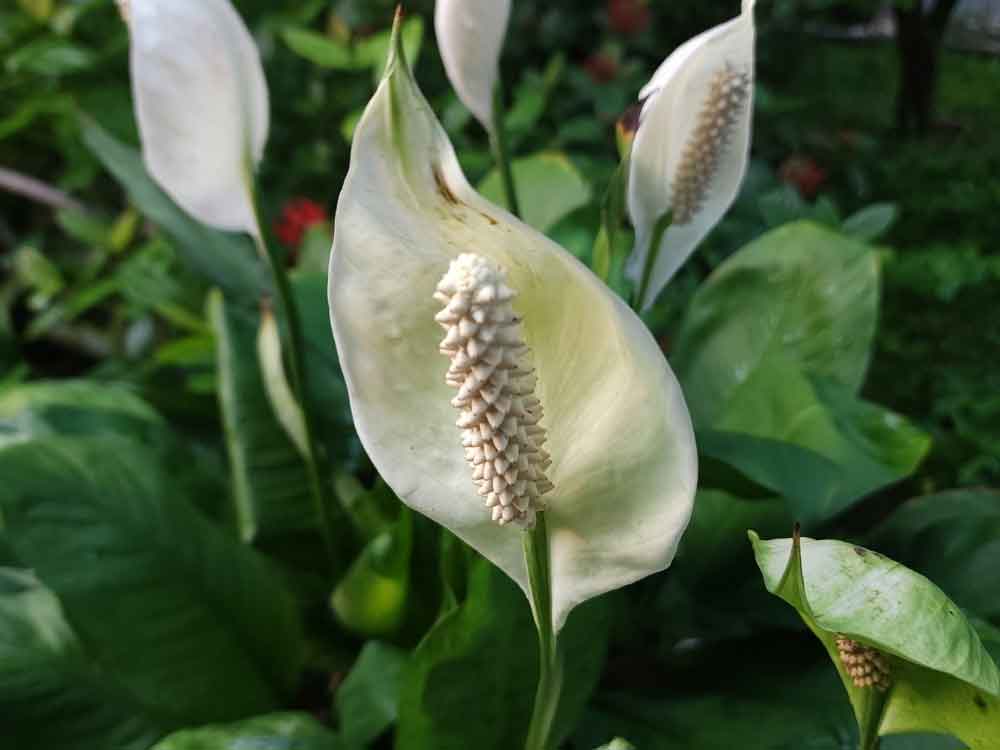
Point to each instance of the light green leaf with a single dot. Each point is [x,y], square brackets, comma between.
[286,731]
[801,293]
[549,186]
[872,222]
[368,699]
[196,626]
[942,678]
[52,696]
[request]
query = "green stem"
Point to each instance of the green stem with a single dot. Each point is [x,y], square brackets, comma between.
[501,153]
[316,461]
[872,709]
[662,225]
[536,555]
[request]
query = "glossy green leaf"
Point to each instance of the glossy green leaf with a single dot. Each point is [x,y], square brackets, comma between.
[227,260]
[954,538]
[285,731]
[549,188]
[52,696]
[371,598]
[480,660]
[943,679]
[800,294]
[368,699]
[872,222]
[196,626]
[35,410]
[269,481]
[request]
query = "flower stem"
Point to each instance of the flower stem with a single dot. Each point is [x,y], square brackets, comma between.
[661,227]
[501,153]
[536,555]
[315,458]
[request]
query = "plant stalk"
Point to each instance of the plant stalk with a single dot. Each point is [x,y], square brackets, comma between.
[536,555]
[317,466]
[501,153]
[661,227]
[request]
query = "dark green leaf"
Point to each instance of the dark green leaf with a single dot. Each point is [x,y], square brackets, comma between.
[954,538]
[269,480]
[227,260]
[52,697]
[196,626]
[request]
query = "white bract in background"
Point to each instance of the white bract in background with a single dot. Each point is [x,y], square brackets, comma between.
[690,152]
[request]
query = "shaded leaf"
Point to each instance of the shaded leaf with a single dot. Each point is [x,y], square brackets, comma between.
[52,697]
[196,626]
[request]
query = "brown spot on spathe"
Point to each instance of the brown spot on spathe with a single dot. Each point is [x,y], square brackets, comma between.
[443,188]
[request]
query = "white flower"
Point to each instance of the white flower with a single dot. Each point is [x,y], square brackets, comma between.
[470,35]
[691,149]
[411,237]
[202,105]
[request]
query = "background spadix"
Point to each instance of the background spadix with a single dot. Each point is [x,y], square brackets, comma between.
[673,102]
[202,105]
[624,460]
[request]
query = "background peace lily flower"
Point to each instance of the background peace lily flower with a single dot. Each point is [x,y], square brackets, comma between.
[690,152]
[470,35]
[619,434]
[202,105]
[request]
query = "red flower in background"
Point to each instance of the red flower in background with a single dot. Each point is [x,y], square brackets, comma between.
[296,217]
[629,16]
[601,68]
[804,174]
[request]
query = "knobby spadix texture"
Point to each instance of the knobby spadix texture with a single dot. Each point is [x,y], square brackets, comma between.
[470,35]
[500,414]
[691,149]
[201,103]
[623,460]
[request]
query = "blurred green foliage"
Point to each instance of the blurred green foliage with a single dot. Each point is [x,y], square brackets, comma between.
[132,406]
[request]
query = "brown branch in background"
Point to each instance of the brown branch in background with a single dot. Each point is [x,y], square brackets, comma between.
[36,190]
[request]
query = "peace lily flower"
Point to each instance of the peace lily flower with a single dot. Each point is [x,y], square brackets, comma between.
[470,35]
[564,403]
[202,105]
[908,658]
[690,152]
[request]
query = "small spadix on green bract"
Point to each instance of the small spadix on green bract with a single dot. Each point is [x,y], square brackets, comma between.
[691,149]
[201,102]
[908,658]
[493,377]
[470,36]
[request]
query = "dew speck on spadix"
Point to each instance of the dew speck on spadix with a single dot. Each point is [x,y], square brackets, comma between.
[499,415]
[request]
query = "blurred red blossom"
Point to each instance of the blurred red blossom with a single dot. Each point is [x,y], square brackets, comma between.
[296,217]
[601,68]
[629,16]
[804,174]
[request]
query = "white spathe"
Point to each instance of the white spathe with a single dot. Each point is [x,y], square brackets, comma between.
[624,464]
[470,36]
[671,123]
[202,106]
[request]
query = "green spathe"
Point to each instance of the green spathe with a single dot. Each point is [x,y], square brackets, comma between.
[624,461]
[943,679]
